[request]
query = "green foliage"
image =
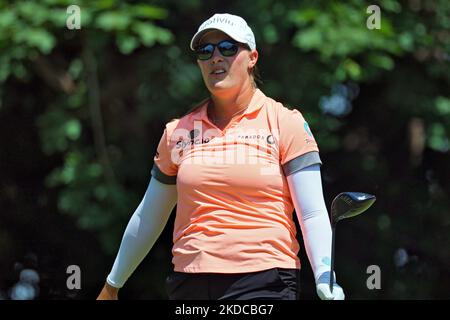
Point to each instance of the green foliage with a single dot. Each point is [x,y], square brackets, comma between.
[341,35]
[34,27]
[97,99]
[31,29]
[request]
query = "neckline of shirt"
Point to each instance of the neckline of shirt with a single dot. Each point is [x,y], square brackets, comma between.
[256,103]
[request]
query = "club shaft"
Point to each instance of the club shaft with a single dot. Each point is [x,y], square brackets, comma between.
[333,230]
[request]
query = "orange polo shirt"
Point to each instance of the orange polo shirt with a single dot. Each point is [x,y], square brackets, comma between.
[234,209]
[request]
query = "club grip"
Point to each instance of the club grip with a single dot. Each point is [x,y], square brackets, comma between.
[333,234]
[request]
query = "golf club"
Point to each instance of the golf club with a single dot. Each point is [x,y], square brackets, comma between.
[346,205]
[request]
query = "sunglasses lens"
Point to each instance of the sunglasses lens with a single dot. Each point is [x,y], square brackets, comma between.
[204,52]
[227,48]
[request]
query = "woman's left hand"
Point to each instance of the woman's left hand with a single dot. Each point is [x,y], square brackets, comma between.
[323,288]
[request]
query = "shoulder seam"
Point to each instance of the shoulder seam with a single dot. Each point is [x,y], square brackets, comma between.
[195,107]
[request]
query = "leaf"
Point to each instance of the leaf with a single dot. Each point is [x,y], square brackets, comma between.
[381,61]
[437,138]
[32,12]
[351,68]
[127,43]
[147,33]
[43,40]
[59,2]
[73,129]
[148,11]
[58,17]
[303,16]
[36,37]
[390,5]
[75,68]
[7,19]
[164,36]
[113,20]
[443,105]
[270,33]
[406,41]
[105,4]
[308,39]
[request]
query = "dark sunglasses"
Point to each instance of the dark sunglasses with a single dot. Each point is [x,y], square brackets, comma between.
[227,48]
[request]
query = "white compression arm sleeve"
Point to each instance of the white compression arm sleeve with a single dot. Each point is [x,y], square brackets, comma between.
[143,230]
[306,192]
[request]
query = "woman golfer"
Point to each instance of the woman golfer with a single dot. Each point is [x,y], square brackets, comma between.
[236,166]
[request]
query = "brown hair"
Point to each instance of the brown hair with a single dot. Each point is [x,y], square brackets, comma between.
[256,76]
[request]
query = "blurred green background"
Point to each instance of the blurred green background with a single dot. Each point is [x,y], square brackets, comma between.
[82,111]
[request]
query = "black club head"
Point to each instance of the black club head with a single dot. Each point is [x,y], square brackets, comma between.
[349,204]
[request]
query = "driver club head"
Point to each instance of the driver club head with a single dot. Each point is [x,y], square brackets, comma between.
[349,204]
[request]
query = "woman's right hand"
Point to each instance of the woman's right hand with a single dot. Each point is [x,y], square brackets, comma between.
[108,293]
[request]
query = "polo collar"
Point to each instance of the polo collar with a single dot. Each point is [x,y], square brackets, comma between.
[255,104]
